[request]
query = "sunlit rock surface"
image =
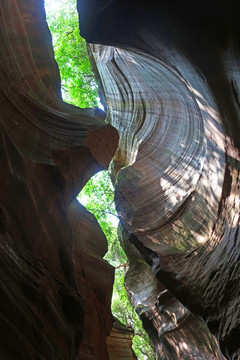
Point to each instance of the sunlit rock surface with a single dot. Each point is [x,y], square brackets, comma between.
[175,332]
[119,342]
[170,76]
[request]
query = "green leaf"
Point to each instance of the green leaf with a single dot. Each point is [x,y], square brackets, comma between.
[79,88]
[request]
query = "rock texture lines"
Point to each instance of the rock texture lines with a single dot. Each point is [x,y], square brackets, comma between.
[169,77]
[170,81]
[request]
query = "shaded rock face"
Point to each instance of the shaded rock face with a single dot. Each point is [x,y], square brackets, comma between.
[169,74]
[170,77]
[55,286]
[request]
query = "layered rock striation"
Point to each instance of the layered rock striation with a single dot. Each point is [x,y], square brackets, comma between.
[169,75]
[55,286]
[119,342]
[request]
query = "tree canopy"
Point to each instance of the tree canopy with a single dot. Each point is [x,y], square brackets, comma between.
[79,88]
[98,197]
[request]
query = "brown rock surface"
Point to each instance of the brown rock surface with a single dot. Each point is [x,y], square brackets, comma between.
[95,279]
[51,294]
[171,84]
[119,342]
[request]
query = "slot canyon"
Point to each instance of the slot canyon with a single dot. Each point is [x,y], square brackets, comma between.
[169,78]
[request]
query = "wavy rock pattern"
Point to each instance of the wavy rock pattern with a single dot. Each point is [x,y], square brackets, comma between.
[175,332]
[171,87]
[171,84]
[51,294]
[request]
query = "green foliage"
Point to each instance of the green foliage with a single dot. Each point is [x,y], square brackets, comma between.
[79,86]
[124,311]
[98,197]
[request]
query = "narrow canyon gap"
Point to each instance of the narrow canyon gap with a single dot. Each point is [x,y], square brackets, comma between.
[169,73]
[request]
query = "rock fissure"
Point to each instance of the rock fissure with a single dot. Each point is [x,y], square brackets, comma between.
[169,74]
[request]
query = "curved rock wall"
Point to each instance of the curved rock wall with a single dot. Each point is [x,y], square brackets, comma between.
[171,83]
[169,73]
[55,286]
